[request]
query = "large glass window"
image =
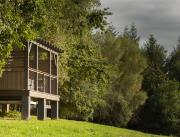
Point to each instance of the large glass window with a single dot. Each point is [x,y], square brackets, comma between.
[32,56]
[43,60]
[40,77]
[47,84]
[53,64]
[41,83]
[54,86]
[32,80]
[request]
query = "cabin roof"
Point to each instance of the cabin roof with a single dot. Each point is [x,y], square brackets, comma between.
[49,45]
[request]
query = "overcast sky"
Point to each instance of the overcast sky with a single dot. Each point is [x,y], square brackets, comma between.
[158,17]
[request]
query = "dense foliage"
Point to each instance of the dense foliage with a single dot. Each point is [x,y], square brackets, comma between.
[161,110]
[173,64]
[124,94]
[154,74]
[68,23]
[82,69]
[19,20]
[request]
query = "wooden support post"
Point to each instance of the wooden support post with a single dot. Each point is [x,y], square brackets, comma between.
[41,109]
[5,108]
[25,108]
[54,109]
[26,78]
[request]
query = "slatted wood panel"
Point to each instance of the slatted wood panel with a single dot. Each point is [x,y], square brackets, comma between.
[12,81]
[13,76]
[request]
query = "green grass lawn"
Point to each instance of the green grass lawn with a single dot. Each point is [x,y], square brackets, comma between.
[62,128]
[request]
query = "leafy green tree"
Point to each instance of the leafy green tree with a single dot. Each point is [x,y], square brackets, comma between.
[69,23]
[124,94]
[19,21]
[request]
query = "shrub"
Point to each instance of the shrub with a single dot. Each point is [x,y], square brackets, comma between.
[11,115]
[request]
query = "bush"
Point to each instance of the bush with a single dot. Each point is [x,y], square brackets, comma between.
[14,115]
[11,115]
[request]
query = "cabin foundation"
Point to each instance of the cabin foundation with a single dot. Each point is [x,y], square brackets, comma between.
[25,107]
[42,109]
[54,110]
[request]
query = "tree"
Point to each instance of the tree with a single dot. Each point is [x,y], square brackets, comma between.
[153,77]
[131,33]
[163,110]
[173,63]
[123,95]
[154,74]
[154,52]
[68,24]
[82,77]
[19,21]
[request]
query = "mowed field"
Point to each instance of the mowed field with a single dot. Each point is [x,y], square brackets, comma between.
[63,128]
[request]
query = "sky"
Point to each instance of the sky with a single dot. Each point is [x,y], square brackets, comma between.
[158,17]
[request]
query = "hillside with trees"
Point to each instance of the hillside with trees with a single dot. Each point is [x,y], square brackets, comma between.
[105,77]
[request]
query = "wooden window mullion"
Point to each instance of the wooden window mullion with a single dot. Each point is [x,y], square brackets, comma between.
[50,72]
[37,52]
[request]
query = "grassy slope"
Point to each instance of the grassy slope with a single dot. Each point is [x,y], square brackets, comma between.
[62,128]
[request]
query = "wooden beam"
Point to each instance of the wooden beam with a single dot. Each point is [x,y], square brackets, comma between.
[48,96]
[44,47]
[10,102]
[14,92]
[33,103]
[48,106]
[30,45]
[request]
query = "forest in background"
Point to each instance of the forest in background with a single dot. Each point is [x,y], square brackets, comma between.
[104,77]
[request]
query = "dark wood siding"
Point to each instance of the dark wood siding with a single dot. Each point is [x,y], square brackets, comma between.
[13,75]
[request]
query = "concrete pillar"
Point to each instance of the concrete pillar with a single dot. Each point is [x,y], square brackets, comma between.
[41,109]
[25,107]
[54,109]
[5,108]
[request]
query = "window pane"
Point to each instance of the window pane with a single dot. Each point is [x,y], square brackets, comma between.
[32,80]
[47,83]
[32,56]
[54,86]
[40,83]
[53,64]
[43,60]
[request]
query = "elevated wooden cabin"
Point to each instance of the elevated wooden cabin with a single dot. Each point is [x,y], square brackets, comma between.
[31,77]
